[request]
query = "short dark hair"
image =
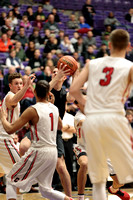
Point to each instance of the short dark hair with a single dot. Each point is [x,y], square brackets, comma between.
[42,89]
[119,39]
[13,76]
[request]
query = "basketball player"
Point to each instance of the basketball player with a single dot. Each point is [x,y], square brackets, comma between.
[39,162]
[81,155]
[106,129]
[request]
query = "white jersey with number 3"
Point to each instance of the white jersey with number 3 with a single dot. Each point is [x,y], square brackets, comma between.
[107,87]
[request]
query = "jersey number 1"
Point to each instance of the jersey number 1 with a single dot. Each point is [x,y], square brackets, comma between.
[52,121]
[108,71]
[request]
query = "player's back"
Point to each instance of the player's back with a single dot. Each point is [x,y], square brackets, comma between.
[107,84]
[43,134]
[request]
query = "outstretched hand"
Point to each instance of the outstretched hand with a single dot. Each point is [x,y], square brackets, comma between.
[62,71]
[30,79]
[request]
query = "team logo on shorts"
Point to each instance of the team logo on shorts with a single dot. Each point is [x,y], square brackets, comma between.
[16,179]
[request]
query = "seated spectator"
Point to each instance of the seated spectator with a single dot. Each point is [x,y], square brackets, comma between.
[49,56]
[129,54]
[51,45]
[89,40]
[77,58]
[11,35]
[3,16]
[36,62]
[89,54]
[88,12]
[58,55]
[112,21]
[50,64]
[40,12]
[75,37]
[83,27]
[129,15]
[60,36]
[7,26]
[30,50]
[38,22]
[51,24]
[36,38]
[29,98]
[29,13]
[105,38]
[56,16]
[103,51]
[108,30]
[5,43]
[12,69]
[16,11]
[27,70]
[73,23]
[25,22]
[13,19]
[47,36]
[6,4]
[79,46]
[16,140]
[21,37]
[14,61]
[66,46]
[20,53]
[47,5]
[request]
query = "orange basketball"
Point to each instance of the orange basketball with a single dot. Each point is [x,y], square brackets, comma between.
[70,62]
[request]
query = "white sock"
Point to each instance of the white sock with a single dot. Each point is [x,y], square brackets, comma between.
[113,190]
[81,197]
[19,197]
[99,191]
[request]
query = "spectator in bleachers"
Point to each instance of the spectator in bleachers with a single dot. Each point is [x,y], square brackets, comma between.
[49,56]
[50,64]
[30,50]
[25,22]
[16,11]
[75,37]
[36,62]
[5,79]
[58,55]
[3,16]
[56,16]
[47,5]
[51,24]
[47,36]
[7,26]
[129,54]
[103,51]
[27,70]
[60,36]
[90,40]
[51,45]
[40,12]
[129,116]
[5,4]
[88,12]
[14,61]
[11,35]
[129,15]
[73,23]
[77,58]
[20,53]
[21,37]
[38,22]
[66,46]
[89,54]
[83,27]
[12,18]
[79,46]
[35,36]
[29,13]
[105,38]
[111,20]
[5,43]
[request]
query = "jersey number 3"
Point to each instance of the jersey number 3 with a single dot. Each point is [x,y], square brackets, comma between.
[108,73]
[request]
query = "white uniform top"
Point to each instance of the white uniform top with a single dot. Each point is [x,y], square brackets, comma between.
[108,86]
[68,119]
[43,134]
[78,117]
[12,115]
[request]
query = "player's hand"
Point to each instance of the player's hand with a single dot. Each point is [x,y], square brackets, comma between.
[62,71]
[30,79]
[51,98]
[3,113]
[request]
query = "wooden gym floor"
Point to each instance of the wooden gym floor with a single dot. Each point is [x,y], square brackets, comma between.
[88,194]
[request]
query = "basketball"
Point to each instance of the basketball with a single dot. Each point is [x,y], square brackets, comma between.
[70,62]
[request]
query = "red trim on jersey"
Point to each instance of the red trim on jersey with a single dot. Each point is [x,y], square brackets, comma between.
[36,132]
[31,133]
[14,147]
[79,130]
[25,161]
[123,101]
[9,151]
[12,115]
[30,168]
[131,138]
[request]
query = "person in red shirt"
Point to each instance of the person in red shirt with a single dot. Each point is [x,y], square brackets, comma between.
[5,43]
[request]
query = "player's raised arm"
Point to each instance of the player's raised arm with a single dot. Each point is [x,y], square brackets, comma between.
[77,85]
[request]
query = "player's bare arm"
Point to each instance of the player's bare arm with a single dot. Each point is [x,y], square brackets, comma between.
[77,85]
[29,115]
[12,100]
[130,77]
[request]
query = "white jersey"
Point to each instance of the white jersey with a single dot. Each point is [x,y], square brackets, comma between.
[43,134]
[12,115]
[108,86]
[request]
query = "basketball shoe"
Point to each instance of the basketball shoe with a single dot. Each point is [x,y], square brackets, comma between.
[121,194]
